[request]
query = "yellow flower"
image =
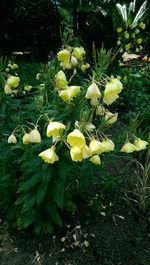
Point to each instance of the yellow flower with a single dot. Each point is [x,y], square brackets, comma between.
[93,93]
[14,66]
[110,97]
[49,155]
[60,79]
[85,66]
[7,90]
[142,25]
[110,118]
[108,145]
[76,138]
[54,128]
[78,53]
[65,65]
[69,93]
[13,81]
[112,89]
[139,41]
[140,144]
[95,160]
[119,30]
[34,136]
[96,147]
[128,148]
[76,154]
[86,152]
[117,85]
[12,139]
[25,138]
[27,88]
[63,55]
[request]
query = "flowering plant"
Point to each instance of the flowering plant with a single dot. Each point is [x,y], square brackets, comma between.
[63,128]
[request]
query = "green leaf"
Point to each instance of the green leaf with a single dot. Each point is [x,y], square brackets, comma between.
[53,212]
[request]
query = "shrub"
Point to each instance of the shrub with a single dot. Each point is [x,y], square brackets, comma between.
[60,118]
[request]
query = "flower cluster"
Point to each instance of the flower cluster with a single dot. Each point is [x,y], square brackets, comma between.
[131,39]
[82,139]
[138,145]
[72,57]
[11,84]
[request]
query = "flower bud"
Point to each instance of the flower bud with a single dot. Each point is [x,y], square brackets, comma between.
[60,80]
[34,136]
[73,61]
[27,88]
[95,160]
[7,90]
[12,139]
[25,138]
[85,66]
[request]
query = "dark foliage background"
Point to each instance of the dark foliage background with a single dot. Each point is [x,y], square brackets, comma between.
[29,26]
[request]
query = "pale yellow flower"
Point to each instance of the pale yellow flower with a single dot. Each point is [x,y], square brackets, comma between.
[7,89]
[13,81]
[86,152]
[60,79]
[76,154]
[85,67]
[27,88]
[93,93]
[79,53]
[76,138]
[69,93]
[140,144]
[34,136]
[96,147]
[95,160]
[54,129]
[49,155]
[65,65]
[12,139]
[108,145]
[128,148]
[63,55]
[14,66]
[25,138]
[112,89]
[110,118]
